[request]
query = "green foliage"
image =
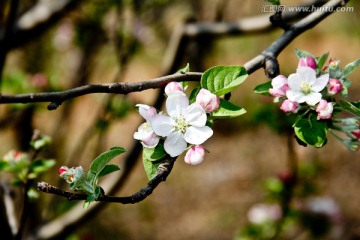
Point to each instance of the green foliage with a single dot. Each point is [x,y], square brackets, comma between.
[227,110]
[311,131]
[263,89]
[320,61]
[223,79]
[274,2]
[351,67]
[152,158]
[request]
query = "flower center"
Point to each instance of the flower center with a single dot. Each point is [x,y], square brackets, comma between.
[181,124]
[305,87]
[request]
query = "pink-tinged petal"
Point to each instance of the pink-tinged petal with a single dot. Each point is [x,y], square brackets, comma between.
[279,81]
[313,98]
[142,108]
[195,155]
[320,83]
[151,141]
[162,125]
[294,82]
[175,144]
[173,87]
[306,74]
[197,135]
[175,103]
[295,96]
[195,115]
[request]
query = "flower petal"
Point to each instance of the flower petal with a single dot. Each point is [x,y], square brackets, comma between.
[295,96]
[294,82]
[320,83]
[175,103]
[197,135]
[142,108]
[195,115]
[313,98]
[306,74]
[175,144]
[162,125]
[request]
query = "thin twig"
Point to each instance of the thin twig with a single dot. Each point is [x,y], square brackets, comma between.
[162,173]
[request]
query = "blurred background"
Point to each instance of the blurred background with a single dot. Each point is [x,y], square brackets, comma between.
[129,41]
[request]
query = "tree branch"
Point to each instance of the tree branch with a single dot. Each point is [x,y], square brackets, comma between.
[56,98]
[162,173]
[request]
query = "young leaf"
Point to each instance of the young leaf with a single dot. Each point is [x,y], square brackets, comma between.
[263,89]
[303,53]
[150,167]
[102,160]
[312,131]
[110,168]
[223,79]
[353,107]
[274,2]
[184,70]
[351,67]
[41,165]
[320,61]
[193,94]
[228,110]
[154,154]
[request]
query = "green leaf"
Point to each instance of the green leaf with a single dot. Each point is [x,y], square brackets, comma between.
[102,160]
[185,69]
[110,168]
[312,131]
[193,94]
[274,2]
[150,167]
[303,53]
[227,110]
[351,67]
[92,197]
[41,165]
[263,88]
[154,154]
[353,107]
[320,61]
[223,79]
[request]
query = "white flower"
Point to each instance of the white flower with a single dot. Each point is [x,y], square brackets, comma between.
[185,124]
[305,87]
[145,132]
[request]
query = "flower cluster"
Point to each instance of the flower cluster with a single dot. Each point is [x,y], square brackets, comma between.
[183,127]
[312,94]
[306,89]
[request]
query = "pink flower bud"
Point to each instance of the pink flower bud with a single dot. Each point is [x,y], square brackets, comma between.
[173,87]
[289,106]
[334,63]
[335,86]
[307,62]
[207,100]
[356,134]
[63,170]
[195,155]
[324,109]
[279,86]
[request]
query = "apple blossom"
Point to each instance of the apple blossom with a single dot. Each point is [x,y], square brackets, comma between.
[207,100]
[173,87]
[279,86]
[334,86]
[305,87]
[324,109]
[307,62]
[145,132]
[289,106]
[261,213]
[195,155]
[71,174]
[185,124]
[15,156]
